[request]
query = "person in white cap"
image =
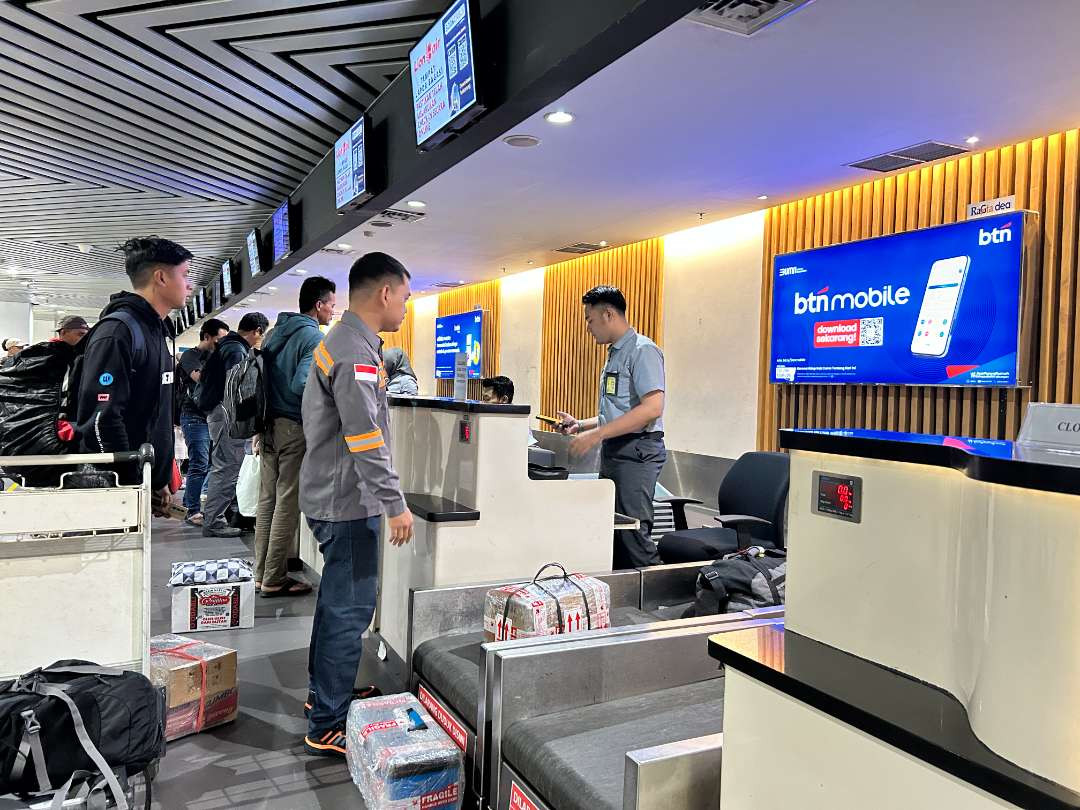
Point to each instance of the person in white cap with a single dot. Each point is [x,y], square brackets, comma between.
[11,348]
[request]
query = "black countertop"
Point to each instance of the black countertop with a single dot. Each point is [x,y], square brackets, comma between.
[992,460]
[434,509]
[917,718]
[463,406]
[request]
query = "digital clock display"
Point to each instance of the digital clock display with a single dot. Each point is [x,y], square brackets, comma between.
[838,496]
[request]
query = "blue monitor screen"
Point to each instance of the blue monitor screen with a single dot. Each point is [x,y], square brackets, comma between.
[253,253]
[938,306]
[282,242]
[442,69]
[458,333]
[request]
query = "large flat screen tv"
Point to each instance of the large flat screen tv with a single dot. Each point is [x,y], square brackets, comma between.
[937,306]
[459,333]
[442,67]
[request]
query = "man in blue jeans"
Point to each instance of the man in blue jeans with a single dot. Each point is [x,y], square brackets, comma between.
[193,420]
[347,483]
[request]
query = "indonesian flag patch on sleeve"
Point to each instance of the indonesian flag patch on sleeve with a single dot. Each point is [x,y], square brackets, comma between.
[364,373]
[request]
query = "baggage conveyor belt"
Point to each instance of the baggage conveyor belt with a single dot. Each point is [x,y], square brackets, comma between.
[451,664]
[576,759]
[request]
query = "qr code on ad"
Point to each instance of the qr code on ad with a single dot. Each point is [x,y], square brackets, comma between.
[871,331]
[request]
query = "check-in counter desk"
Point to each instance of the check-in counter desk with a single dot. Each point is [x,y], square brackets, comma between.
[478,516]
[930,651]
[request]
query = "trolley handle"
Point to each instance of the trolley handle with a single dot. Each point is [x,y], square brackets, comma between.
[144,455]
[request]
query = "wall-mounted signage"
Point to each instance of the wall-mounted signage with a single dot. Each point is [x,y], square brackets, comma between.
[458,334]
[254,262]
[442,67]
[938,306]
[988,208]
[350,167]
[200,303]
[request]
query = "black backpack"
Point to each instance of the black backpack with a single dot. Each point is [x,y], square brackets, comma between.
[75,725]
[245,400]
[752,578]
[138,355]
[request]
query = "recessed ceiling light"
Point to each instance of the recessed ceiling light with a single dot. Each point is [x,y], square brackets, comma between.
[521,141]
[559,117]
[416,204]
[531,261]
[13,271]
[299,272]
[603,243]
[272,289]
[974,139]
[763,196]
[343,246]
[461,281]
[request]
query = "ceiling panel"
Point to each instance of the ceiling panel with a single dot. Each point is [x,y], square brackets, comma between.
[190,120]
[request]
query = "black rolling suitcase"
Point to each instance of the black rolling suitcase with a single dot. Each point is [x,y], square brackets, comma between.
[73,734]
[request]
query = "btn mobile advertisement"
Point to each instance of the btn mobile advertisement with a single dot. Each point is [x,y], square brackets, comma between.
[939,306]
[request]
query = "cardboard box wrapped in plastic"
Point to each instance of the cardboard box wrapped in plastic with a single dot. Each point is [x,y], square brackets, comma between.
[547,606]
[400,758]
[199,680]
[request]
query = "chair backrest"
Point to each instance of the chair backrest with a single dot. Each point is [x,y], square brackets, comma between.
[757,485]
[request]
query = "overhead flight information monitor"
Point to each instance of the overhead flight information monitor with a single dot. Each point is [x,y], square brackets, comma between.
[253,252]
[350,167]
[226,279]
[282,239]
[442,67]
[459,333]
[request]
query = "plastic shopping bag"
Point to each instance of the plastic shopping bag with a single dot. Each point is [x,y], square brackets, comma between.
[247,486]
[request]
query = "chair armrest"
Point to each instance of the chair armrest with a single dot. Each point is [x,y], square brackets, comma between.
[678,508]
[741,524]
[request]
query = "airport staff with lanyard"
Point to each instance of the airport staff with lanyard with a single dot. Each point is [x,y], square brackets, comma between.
[629,421]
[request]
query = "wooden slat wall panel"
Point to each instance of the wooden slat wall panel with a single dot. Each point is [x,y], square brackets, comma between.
[1044,173]
[570,360]
[403,338]
[484,296]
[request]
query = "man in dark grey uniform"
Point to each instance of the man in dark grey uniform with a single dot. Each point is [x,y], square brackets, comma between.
[629,421]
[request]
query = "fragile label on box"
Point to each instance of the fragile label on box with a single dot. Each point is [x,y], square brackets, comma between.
[454,729]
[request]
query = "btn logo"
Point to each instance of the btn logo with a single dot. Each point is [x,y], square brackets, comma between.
[105,379]
[997,236]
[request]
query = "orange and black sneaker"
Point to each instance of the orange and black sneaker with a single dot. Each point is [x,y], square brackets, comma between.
[363,693]
[326,743]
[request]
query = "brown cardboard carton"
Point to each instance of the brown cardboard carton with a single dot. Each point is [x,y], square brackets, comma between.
[199,679]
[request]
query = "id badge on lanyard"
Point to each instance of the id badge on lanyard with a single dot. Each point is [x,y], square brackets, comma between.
[611,383]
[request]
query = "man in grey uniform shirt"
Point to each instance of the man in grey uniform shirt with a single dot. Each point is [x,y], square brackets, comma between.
[629,422]
[347,483]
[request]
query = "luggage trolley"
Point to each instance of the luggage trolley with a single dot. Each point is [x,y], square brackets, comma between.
[75,567]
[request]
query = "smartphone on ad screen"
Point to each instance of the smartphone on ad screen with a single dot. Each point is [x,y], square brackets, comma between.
[941,299]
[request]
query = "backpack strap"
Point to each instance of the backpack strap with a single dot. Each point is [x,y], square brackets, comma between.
[87,745]
[138,339]
[30,746]
[84,669]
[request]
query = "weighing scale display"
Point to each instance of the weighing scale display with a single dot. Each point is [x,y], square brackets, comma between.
[838,496]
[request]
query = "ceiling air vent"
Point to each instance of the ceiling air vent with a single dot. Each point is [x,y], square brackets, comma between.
[579,248]
[401,216]
[744,17]
[381,223]
[337,251]
[924,152]
[448,285]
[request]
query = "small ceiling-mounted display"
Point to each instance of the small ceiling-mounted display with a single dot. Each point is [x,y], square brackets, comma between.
[254,262]
[350,167]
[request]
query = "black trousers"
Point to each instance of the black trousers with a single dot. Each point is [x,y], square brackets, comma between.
[634,464]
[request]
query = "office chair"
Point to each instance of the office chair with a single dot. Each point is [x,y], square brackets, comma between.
[751,502]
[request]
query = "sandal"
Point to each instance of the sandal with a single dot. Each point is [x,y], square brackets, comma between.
[292,587]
